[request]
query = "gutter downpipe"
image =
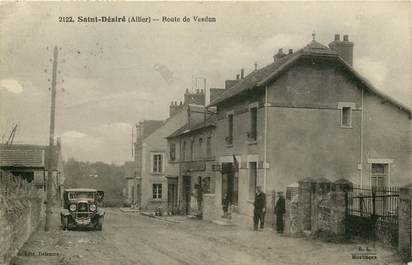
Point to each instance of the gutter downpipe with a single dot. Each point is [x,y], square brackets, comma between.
[361,142]
[266,141]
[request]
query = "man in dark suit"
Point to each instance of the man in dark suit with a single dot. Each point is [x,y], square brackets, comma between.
[260,209]
[280,211]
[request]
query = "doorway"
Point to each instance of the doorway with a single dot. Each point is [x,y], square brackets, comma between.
[187,191]
[172,195]
[229,183]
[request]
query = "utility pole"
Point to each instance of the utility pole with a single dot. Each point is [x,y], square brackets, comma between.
[50,163]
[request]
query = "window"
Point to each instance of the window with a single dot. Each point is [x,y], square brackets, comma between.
[200,151]
[184,151]
[209,146]
[192,141]
[229,138]
[346,114]
[157,163]
[346,117]
[253,123]
[157,191]
[379,175]
[252,179]
[172,152]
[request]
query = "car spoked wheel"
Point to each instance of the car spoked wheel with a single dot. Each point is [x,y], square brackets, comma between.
[99,225]
[65,222]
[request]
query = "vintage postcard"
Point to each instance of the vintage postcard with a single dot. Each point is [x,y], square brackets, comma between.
[206,132]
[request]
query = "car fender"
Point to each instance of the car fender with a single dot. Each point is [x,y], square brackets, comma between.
[64,212]
[100,212]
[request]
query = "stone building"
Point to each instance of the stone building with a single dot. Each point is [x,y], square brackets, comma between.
[308,114]
[149,187]
[191,168]
[30,162]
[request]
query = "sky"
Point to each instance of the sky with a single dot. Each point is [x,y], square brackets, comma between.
[112,75]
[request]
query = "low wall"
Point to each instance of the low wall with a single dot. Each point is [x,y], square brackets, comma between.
[21,208]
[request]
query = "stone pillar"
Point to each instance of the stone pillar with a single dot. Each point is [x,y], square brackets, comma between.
[405,222]
[339,212]
[322,188]
[304,204]
[291,215]
[210,210]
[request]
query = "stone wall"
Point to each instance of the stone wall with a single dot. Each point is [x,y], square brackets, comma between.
[21,208]
[318,206]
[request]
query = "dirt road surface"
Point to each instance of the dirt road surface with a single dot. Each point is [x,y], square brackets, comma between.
[130,238]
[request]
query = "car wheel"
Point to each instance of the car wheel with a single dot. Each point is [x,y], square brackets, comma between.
[65,222]
[100,224]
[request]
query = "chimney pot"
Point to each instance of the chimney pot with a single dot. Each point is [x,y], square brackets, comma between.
[337,37]
[345,38]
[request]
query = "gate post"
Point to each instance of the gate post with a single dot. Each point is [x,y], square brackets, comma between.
[305,203]
[405,222]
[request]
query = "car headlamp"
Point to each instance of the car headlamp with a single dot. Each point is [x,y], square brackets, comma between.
[72,207]
[92,207]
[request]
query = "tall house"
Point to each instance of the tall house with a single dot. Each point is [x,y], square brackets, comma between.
[191,170]
[308,114]
[150,189]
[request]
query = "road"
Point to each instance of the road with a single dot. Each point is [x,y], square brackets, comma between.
[130,238]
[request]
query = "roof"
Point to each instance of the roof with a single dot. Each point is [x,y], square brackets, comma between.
[210,122]
[81,189]
[32,156]
[267,74]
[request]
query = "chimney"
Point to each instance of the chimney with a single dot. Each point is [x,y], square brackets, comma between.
[215,92]
[278,55]
[242,73]
[343,48]
[230,83]
[290,51]
[237,77]
[255,66]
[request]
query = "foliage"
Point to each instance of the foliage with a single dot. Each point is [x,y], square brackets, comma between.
[98,175]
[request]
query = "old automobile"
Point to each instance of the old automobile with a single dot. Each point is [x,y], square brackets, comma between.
[82,208]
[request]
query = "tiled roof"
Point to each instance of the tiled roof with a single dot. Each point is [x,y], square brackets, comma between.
[198,126]
[266,74]
[22,156]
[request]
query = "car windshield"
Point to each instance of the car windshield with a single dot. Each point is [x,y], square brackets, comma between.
[81,195]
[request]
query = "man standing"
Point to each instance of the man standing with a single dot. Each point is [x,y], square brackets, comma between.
[280,211]
[260,209]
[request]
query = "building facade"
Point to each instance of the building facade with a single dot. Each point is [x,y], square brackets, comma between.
[308,114]
[192,164]
[150,186]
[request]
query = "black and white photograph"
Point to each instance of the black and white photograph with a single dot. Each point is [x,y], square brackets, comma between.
[205,132]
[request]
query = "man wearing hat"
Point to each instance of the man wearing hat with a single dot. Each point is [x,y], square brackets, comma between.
[260,208]
[280,211]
